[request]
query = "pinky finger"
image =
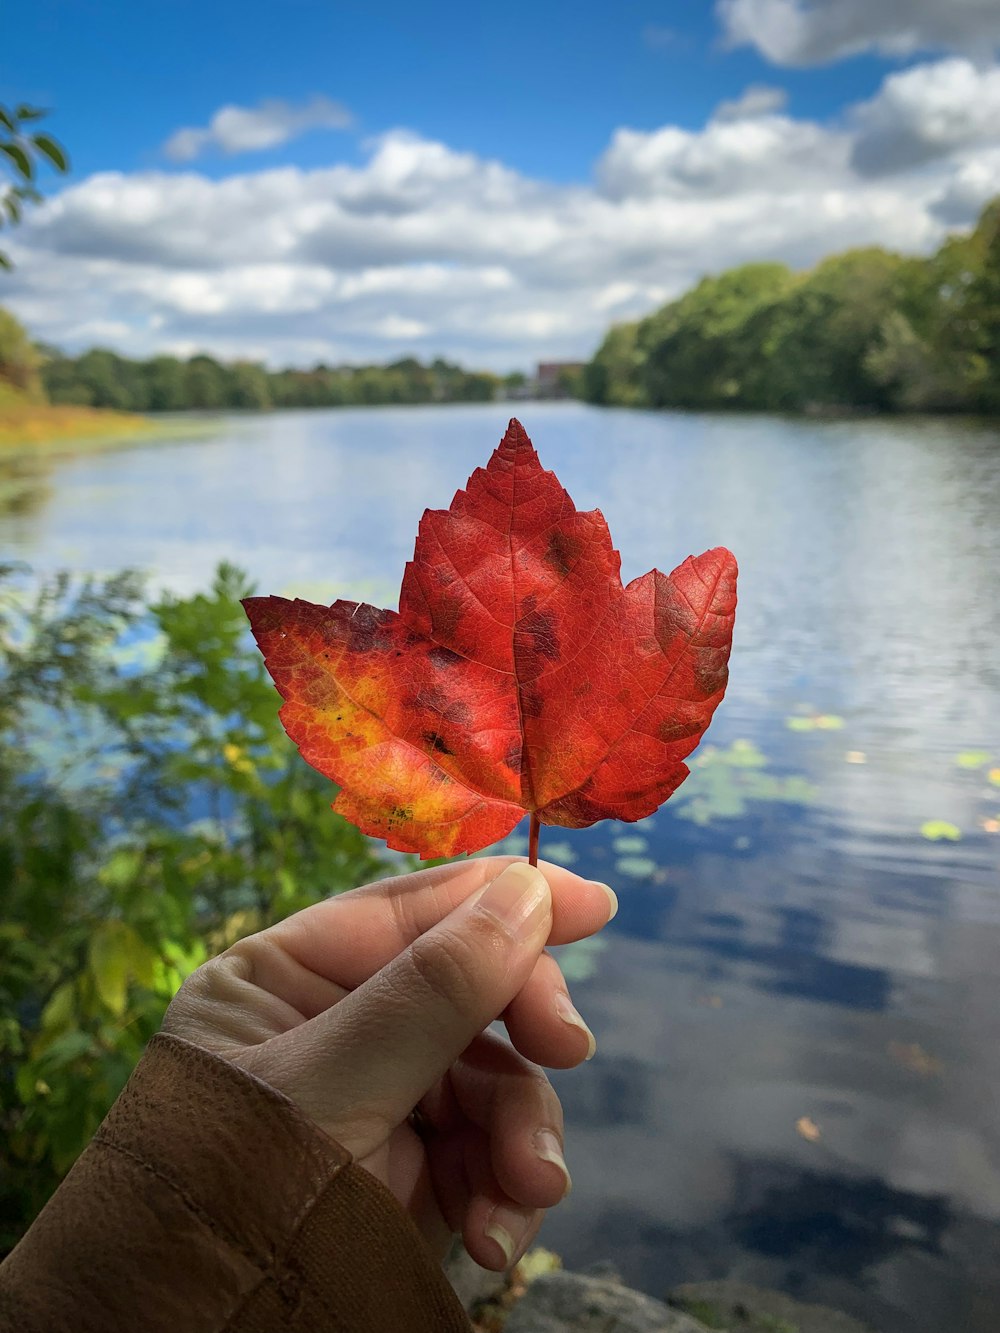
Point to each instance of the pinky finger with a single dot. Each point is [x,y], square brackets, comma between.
[496,1230]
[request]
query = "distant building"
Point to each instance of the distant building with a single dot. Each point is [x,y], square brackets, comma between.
[556,379]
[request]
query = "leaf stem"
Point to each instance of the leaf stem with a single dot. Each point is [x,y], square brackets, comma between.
[533,841]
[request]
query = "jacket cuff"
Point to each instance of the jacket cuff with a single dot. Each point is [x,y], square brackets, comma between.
[208,1201]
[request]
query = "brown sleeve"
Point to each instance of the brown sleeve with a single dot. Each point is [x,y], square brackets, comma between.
[206,1202]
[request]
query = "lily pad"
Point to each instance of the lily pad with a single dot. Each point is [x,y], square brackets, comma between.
[818,722]
[578,960]
[938,830]
[559,852]
[630,844]
[635,867]
[513,845]
[972,758]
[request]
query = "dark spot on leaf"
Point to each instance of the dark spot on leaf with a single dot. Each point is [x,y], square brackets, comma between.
[447,615]
[562,552]
[436,742]
[430,699]
[536,643]
[676,729]
[512,758]
[444,657]
[368,630]
[531,703]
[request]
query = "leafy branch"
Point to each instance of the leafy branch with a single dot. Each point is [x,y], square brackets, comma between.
[22,148]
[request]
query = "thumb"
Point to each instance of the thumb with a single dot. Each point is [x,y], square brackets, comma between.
[363,1065]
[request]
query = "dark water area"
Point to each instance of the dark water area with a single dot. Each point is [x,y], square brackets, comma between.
[798,1006]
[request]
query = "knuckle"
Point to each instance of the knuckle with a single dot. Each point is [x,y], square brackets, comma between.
[450,966]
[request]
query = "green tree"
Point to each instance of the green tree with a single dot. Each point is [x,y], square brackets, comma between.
[698,354]
[20,360]
[248,386]
[164,385]
[22,147]
[902,364]
[110,380]
[205,385]
[971,321]
[614,376]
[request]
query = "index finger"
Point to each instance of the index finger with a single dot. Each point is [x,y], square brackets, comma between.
[354,935]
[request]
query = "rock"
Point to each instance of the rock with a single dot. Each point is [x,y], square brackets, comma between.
[574,1303]
[741,1308]
[473,1285]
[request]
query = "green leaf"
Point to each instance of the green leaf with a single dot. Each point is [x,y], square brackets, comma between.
[121,868]
[6,121]
[60,1008]
[65,1049]
[13,206]
[20,159]
[52,150]
[26,112]
[5,262]
[110,948]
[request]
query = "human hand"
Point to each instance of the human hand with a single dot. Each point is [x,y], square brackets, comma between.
[373,1003]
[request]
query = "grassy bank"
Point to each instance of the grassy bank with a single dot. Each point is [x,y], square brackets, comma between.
[25,424]
[34,429]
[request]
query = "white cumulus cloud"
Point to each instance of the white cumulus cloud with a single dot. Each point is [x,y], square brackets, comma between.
[812,32]
[241,129]
[928,112]
[758,100]
[424,249]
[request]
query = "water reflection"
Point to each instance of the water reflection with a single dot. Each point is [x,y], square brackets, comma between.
[789,946]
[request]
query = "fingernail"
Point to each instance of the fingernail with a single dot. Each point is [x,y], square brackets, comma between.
[612,897]
[568,1013]
[508,1227]
[518,899]
[549,1149]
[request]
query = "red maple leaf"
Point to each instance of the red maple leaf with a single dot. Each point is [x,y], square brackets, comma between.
[518,675]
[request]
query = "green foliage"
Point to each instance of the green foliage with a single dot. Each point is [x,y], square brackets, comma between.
[154,812]
[103,378]
[614,376]
[21,146]
[865,329]
[697,348]
[19,360]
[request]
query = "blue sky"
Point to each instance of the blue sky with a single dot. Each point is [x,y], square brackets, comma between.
[537,85]
[349,181]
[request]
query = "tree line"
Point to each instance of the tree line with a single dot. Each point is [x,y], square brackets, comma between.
[103,378]
[867,330]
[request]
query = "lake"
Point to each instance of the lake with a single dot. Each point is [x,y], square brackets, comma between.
[797,1008]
